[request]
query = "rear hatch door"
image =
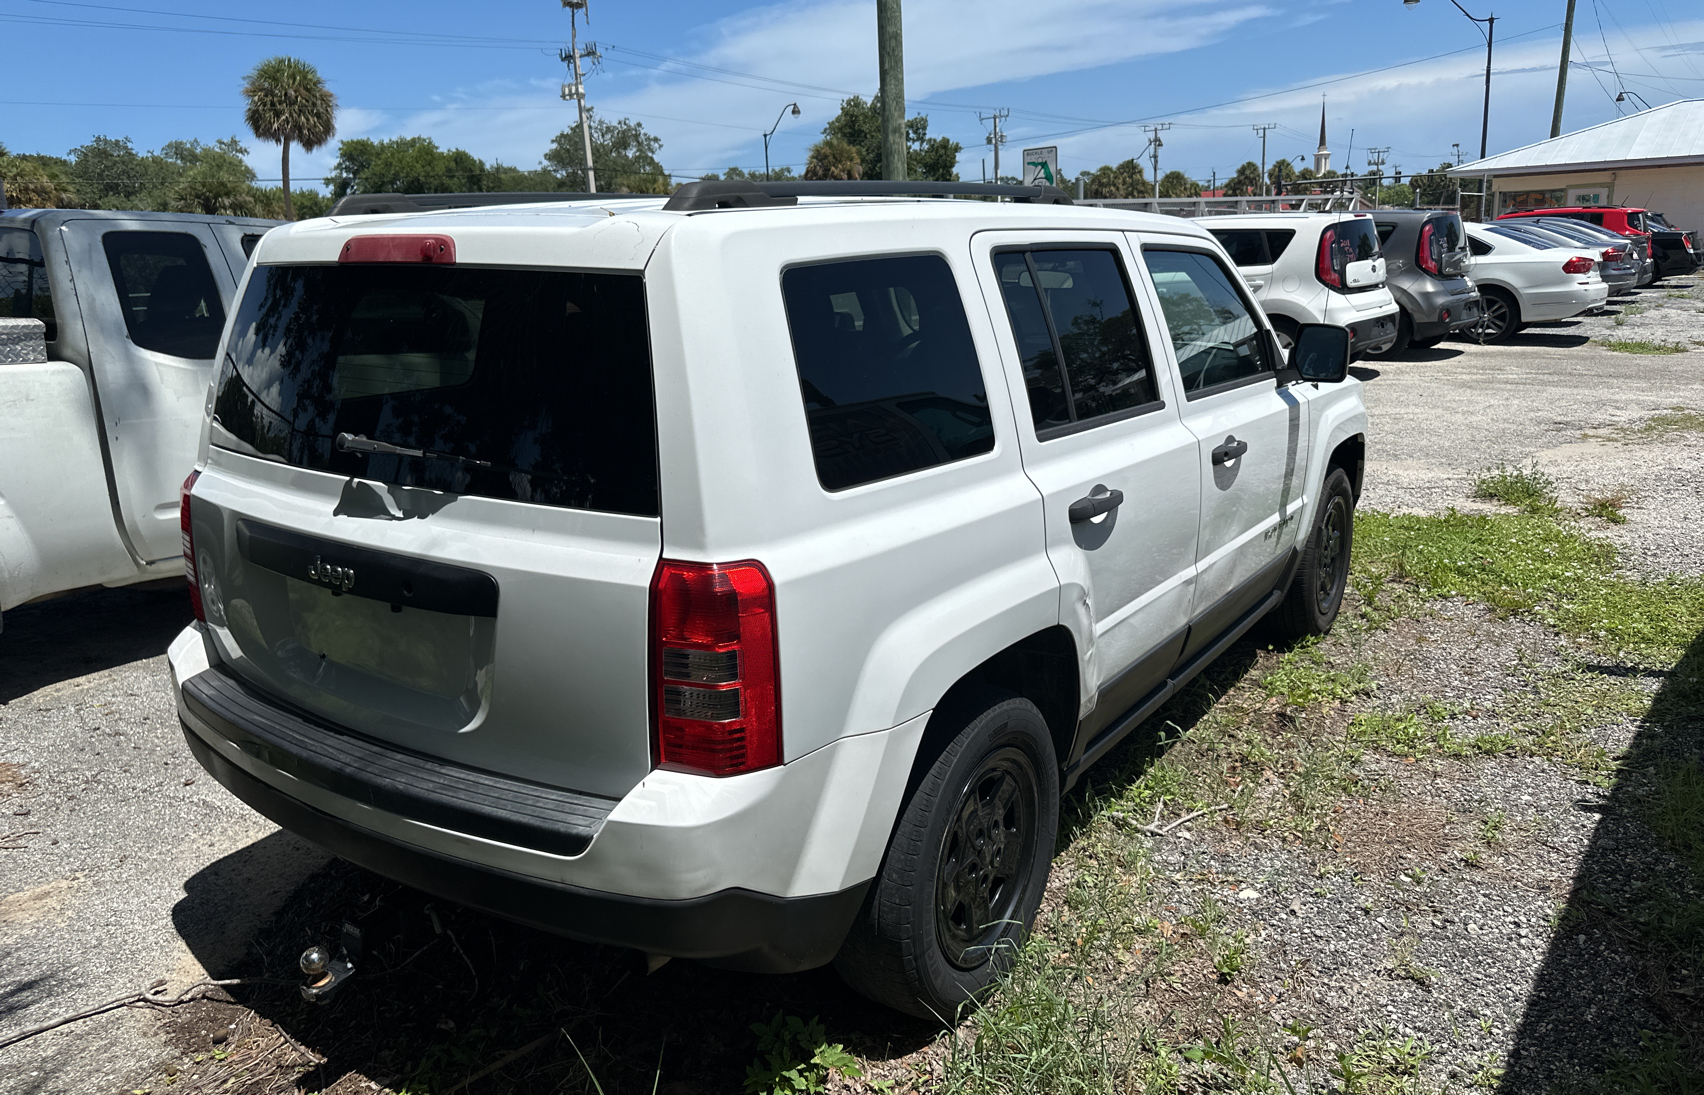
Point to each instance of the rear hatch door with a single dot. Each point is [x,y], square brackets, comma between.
[429,513]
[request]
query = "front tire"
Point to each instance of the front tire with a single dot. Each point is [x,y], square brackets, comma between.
[1315,596]
[967,865]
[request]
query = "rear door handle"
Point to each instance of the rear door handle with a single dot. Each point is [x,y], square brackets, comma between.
[1232,449]
[1086,509]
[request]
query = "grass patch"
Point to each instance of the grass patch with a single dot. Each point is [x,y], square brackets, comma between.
[1305,678]
[1668,423]
[1640,346]
[1527,489]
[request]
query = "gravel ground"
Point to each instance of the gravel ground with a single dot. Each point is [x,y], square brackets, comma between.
[127,863]
[1584,413]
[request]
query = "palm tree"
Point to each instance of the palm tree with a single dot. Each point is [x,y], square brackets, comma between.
[833,158]
[287,101]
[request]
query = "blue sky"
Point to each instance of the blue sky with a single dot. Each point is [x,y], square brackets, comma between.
[709,79]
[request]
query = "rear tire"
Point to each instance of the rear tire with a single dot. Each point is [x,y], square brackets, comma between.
[1499,316]
[1315,596]
[967,864]
[1404,333]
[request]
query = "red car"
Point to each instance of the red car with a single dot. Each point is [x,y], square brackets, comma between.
[1673,251]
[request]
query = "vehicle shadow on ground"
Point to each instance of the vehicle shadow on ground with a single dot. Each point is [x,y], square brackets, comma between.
[1627,959]
[1549,340]
[444,991]
[1363,374]
[54,641]
[1444,351]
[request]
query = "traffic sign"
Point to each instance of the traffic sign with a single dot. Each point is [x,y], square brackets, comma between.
[1041,166]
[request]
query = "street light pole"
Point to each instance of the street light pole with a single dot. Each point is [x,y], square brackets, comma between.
[794,107]
[1490,32]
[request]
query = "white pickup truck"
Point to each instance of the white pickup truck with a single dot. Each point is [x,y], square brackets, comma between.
[109,322]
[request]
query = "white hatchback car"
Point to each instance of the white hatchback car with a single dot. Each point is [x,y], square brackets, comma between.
[736,577]
[1523,279]
[1313,268]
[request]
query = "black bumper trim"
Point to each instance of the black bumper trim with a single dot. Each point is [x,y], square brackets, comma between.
[395,780]
[733,928]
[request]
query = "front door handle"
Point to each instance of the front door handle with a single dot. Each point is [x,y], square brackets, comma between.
[1086,509]
[1230,450]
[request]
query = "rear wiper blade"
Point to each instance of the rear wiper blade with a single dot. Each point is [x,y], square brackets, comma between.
[355,442]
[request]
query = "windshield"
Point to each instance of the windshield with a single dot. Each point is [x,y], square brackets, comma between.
[536,385]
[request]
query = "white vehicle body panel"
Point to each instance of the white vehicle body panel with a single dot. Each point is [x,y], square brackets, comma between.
[1535,276]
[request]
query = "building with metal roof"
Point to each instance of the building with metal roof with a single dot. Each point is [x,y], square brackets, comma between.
[1653,159]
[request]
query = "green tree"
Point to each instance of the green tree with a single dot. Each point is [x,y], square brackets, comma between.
[624,157]
[777,174]
[108,173]
[214,179]
[859,124]
[1245,183]
[287,101]
[833,158]
[1281,173]
[407,165]
[1435,187]
[1175,184]
[36,182]
[1127,180]
[1400,195]
[1306,174]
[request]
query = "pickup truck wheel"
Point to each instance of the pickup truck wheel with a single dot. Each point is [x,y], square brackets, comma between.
[966,867]
[1316,593]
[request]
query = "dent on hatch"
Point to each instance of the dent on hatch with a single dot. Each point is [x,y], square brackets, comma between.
[387,502]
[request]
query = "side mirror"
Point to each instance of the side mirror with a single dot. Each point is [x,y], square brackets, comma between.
[1321,352]
[1366,272]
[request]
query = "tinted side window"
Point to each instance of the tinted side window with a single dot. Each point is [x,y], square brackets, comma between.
[1386,231]
[1478,246]
[249,241]
[1084,353]
[1246,246]
[166,289]
[889,374]
[24,290]
[1277,239]
[1216,338]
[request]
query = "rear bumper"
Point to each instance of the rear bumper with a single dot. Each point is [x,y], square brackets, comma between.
[762,871]
[1463,313]
[734,928]
[1561,304]
[1372,334]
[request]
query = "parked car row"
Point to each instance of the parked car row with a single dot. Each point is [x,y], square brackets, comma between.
[1399,278]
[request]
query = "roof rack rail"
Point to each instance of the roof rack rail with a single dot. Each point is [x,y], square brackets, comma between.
[740,194]
[355,204]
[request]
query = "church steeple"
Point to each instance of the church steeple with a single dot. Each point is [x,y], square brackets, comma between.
[1322,158]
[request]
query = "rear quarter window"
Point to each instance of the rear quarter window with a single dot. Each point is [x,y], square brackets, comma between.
[166,289]
[24,291]
[1246,246]
[888,372]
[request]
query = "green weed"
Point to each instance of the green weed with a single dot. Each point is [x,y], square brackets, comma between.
[1607,507]
[795,1058]
[1492,828]
[1305,678]
[1528,489]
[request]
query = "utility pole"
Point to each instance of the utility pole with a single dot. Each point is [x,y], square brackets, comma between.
[890,53]
[996,138]
[1457,146]
[1376,159]
[1155,144]
[577,90]
[1562,71]
[1265,185]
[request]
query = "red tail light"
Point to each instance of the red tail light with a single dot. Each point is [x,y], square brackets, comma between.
[1428,261]
[1323,268]
[1579,264]
[1611,254]
[189,546]
[715,677]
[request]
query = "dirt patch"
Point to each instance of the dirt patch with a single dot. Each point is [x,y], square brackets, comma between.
[29,907]
[11,779]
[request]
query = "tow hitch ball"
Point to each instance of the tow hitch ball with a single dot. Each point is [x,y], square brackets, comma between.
[327,974]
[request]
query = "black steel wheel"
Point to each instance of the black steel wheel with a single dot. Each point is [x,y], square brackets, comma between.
[967,864]
[982,870]
[1315,596]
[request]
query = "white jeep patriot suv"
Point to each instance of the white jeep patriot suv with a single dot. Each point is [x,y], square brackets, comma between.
[737,577]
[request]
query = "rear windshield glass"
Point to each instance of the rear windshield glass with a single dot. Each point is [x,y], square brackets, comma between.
[165,286]
[1525,238]
[531,386]
[23,280]
[1448,232]
[1355,240]
[887,369]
